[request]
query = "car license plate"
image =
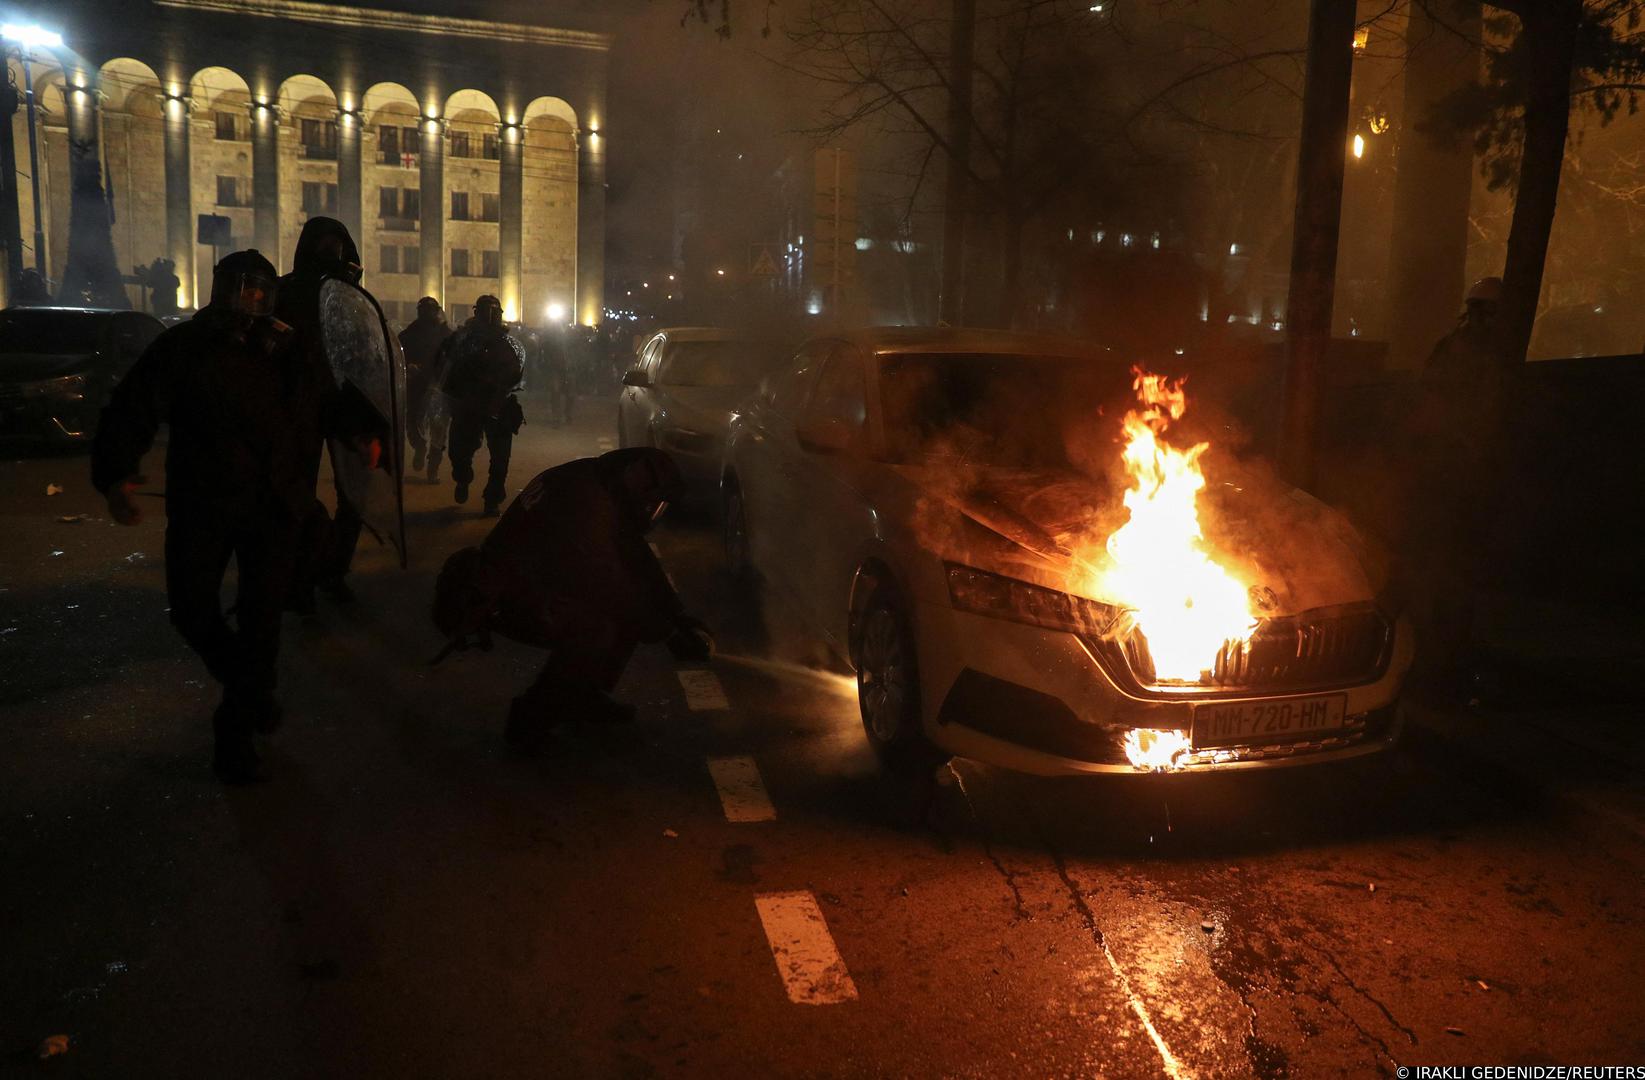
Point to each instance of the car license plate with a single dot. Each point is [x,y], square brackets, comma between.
[1242,723]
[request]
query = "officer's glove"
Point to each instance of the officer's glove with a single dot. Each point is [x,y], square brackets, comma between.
[691,641]
[122,505]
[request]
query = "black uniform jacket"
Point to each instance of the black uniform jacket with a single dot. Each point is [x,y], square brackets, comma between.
[246,419]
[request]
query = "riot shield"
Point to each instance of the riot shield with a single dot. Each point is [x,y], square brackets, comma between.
[370,371]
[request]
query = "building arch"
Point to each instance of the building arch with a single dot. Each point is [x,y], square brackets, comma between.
[307,154]
[133,149]
[473,198]
[549,163]
[220,166]
[390,197]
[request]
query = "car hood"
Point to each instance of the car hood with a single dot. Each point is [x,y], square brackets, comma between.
[706,409]
[32,367]
[1296,553]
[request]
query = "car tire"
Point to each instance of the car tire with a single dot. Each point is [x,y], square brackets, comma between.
[739,561]
[888,688]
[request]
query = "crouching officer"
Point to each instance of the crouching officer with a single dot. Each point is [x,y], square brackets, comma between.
[482,370]
[568,569]
[245,415]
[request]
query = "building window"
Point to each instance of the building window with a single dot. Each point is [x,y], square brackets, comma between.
[490,265]
[459,144]
[398,208]
[319,139]
[397,145]
[319,198]
[228,126]
[490,206]
[233,191]
[411,260]
[459,262]
[459,206]
[389,259]
[490,146]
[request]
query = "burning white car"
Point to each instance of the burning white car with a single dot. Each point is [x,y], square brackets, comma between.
[1029,560]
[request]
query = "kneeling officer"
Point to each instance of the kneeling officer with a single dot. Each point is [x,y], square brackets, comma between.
[568,569]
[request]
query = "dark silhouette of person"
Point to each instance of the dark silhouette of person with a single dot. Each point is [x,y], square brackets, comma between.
[568,569]
[247,411]
[482,371]
[427,420]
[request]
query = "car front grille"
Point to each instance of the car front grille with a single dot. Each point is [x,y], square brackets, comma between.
[1316,650]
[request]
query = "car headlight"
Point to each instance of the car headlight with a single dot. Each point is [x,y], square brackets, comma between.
[67,388]
[1000,597]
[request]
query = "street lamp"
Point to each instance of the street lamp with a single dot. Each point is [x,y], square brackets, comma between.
[28,38]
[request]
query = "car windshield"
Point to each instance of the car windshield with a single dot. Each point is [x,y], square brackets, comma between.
[714,363]
[51,332]
[1014,411]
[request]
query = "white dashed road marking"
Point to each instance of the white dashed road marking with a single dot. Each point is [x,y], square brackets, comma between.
[742,792]
[811,968]
[703,692]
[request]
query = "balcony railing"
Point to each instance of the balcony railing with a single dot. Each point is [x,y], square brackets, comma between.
[397,224]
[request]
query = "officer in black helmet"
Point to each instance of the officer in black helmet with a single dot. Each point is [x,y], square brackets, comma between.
[247,414]
[426,419]
[483,367]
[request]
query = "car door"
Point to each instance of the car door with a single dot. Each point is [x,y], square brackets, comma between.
[633,406]
[767,461]
[827,479]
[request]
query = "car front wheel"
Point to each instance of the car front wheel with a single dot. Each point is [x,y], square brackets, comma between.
[888,688]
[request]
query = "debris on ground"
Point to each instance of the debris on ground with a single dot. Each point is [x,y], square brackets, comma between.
[52,1046]
[1482,984]
[1455,1031]
[1208,926]
[136,557]
[72,519]
[115,967]
[56,552]
[671,834]
[54,489]
[1372,886]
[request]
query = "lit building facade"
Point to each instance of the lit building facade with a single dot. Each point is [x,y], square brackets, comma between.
[465,156]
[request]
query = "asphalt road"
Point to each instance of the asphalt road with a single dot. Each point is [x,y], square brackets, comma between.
[727,887]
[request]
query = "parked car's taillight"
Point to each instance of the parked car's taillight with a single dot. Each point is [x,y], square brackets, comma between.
[983,593]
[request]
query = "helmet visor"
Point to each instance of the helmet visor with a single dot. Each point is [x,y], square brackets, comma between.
[250,293]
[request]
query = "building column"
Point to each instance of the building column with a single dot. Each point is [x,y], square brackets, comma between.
[179,197]
[432,200]
[265,180]
[591,228]
[348,171]
[510,193]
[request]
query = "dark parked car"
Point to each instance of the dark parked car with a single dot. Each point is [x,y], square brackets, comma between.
[58,364]
[680,395]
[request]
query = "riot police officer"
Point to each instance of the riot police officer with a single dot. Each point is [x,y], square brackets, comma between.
[483,368]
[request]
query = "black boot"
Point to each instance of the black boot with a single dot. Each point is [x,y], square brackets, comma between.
[433,474]
[417,459]
[233,758]
[460,492]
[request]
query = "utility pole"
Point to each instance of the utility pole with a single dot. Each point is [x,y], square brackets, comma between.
[951,308]
[1320,160]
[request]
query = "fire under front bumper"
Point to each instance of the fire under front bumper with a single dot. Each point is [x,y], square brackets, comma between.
[1043,701]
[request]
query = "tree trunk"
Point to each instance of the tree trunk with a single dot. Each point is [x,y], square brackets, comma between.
[1549,31]
[1011,270]
[1320,157]
[951,307]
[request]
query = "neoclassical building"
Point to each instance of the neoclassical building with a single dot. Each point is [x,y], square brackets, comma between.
[465,155]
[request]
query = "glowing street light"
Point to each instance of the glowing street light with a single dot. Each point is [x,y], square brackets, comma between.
[1359,146]
[31,36]
[28,38]
[556,313]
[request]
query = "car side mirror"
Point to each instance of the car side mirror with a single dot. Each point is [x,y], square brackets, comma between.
[830,435]
[636,377]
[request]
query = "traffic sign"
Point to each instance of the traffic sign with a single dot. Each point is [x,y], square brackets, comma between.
[761,264]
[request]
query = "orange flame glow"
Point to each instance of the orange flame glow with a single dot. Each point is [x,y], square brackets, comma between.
[1185,604]
[1154,750]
